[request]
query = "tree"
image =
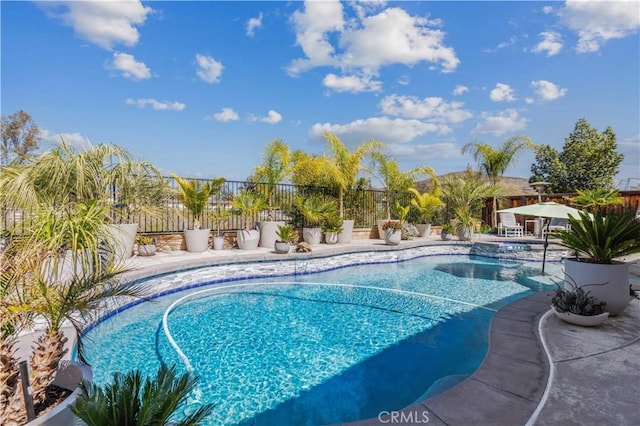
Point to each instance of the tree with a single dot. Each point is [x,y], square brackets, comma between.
[597,200]
[494,162]
[276,167]
[345,165]
[396,181]
[19,137]
[588,161]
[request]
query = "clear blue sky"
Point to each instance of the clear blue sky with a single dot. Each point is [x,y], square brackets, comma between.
[199,88]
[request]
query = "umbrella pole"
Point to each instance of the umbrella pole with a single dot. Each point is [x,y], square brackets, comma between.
[545,245]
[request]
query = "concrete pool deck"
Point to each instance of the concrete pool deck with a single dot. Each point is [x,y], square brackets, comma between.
[538,370]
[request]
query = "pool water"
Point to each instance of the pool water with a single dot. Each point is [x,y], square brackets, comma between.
[324,348]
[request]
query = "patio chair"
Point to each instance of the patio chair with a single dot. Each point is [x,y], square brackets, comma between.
[556,225]
[508,226]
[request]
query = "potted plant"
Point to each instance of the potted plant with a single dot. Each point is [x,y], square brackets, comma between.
[286,238]
[146,245]
[314,209]
[446,232]
[218,216]
[332,227]
[577,306]
[194,195]
[597,241]
[248,204]
[426,204]
[465,224]
[392,232]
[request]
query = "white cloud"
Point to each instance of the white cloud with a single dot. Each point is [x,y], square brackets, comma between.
[420,152]
[529,100]
[405,80]
[157,105]
[433,109]
[547,10]
[74,139]
[351,83]
[596,22]
[226,114]
[459,90]
[129,67]
[547,90]
[385,129]
[104,23]
[367,43]
[253,24]
[209,69]
[272,117]
[499,124]
[551,43]
[502,93]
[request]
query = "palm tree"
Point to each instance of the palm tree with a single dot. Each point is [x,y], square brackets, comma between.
[195,195]
[345,165]
[494,162]
[276,167]
[129,401]
[59,274]
[426,202]
[396,181]
[597,200]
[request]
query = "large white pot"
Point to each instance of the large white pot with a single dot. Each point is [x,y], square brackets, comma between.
[607,283]
[268,231]
[346,235]
[392,237]
[381,223]
[197,240]
[312,236]
[68,376]
[330,237]
[123,237]
[248,240]
[424,229]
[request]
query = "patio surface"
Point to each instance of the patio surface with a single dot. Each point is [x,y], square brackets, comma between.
[538,370]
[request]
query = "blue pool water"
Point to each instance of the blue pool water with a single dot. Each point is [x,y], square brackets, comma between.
[317,349]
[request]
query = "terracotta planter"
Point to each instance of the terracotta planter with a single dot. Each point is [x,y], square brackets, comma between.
[607,283]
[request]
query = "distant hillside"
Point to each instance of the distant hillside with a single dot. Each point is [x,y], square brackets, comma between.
[513,185]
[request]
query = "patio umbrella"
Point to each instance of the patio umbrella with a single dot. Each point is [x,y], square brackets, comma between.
[548,209]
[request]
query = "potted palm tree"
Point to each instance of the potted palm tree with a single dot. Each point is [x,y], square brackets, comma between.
[426,204]
[446,232]
[314,209]
[598,241]
[194,195]
[248,205]
[286,238]
[218,216]
[332,227]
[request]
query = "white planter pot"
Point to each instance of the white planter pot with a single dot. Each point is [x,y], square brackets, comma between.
[281,247]
[146,250]
[607,283]
[218,243]
[123,237]
[465,233]
[68,376]
[248,240]
[424,229]
[330,237]
[586,321]
[268,231]
[392,237]
[346,235]
[381,223]
[64,268]
[312,236]
[197,240]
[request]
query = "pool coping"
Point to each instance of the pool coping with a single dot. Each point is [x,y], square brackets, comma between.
[507,387]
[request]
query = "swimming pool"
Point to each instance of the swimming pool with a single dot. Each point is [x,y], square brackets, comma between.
[321,348]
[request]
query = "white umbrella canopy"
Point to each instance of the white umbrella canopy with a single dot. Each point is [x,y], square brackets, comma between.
[545,209]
